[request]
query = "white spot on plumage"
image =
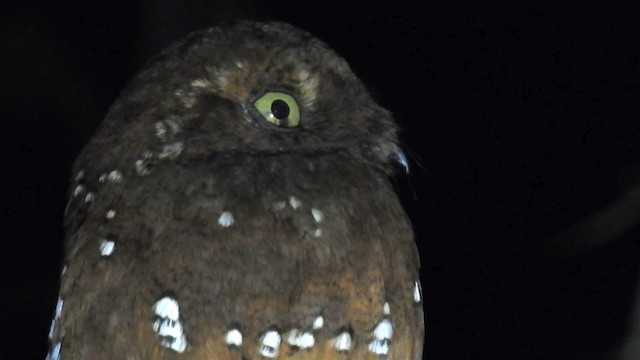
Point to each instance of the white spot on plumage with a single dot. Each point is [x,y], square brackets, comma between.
[294,202]
[161,129]
[279,205]
[168,327]
[417,291]
[381,337]
[167,308]
[302,74]
[233,337]
[52,328]
[269,344]
[318,216]
[307,340]
[221,79]
[386,309]
[317,233]
[114,176]
[318,323]
[64,270]
[384,330]
[179,344]
[56,317]
[226,219]
[186,97]
[111,214]
[309,91]
[80,175]
[379,347]
[78,190]
[107,247]
[171,151]
[102,178]
[201,83]
[55,353]
[170,334]
[399,158]
[292,336]
[301,340]
[89,197]
[342,342]
[59,306]
[141,168]
[141,165]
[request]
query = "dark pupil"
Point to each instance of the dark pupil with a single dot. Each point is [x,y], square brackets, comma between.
[280,109]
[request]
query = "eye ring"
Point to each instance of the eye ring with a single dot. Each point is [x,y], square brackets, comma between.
[279,109]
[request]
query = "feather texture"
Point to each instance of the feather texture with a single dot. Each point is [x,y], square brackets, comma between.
[196,231]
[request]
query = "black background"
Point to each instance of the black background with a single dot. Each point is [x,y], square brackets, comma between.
[520,121]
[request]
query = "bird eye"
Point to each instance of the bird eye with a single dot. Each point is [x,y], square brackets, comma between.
[278,108]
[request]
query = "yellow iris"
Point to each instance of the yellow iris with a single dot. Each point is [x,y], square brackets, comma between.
[278,108]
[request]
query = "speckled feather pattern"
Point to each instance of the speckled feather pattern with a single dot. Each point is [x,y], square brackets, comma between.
[197,231]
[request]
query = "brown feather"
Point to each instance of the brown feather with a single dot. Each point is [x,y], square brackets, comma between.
[235,224]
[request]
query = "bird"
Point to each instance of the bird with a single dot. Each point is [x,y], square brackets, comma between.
[237,203]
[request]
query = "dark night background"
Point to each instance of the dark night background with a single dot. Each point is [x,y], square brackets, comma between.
[520,122]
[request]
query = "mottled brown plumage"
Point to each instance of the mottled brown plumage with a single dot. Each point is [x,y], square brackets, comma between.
[196,229]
